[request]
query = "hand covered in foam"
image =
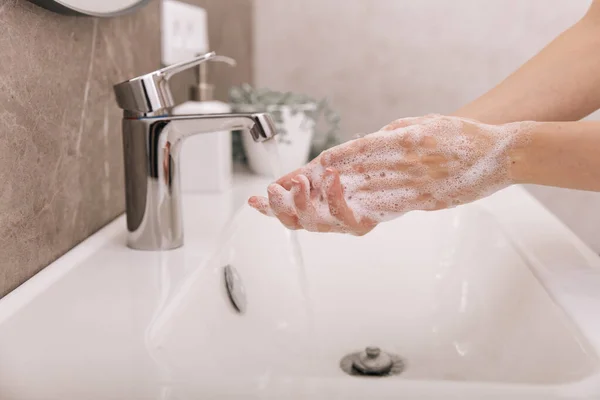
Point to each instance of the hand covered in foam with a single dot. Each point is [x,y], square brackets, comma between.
[424,163]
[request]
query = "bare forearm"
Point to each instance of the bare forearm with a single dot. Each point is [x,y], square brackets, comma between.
[562,154]
[561,83]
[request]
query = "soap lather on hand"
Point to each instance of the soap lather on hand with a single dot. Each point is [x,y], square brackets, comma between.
[424,163]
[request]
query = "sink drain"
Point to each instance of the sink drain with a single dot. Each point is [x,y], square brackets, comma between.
[372,362]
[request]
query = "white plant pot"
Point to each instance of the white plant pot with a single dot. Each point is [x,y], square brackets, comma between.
[294,139]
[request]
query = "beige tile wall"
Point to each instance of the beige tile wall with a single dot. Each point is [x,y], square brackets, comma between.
[60,143]
[60,137]
[378,60]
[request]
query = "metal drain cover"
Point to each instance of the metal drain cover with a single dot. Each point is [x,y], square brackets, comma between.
[372,362]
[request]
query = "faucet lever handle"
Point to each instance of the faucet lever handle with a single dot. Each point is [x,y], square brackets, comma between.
[173,69]
[151,93]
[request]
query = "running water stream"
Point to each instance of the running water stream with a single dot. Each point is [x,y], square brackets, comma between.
[297,260]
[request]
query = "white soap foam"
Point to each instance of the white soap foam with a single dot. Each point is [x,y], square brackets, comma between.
[436,163]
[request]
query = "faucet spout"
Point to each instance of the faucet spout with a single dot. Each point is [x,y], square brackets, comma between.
[151,148]
[259,125]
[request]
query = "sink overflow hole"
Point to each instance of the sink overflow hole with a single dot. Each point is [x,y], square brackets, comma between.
[235,289]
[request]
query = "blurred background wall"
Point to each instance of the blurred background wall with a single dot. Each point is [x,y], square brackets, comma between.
[379,60]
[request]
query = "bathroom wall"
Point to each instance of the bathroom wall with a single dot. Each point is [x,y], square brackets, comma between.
[60,143]
[379,60]
[60,138]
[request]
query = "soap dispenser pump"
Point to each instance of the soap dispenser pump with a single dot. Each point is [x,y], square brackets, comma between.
[203,90]
[206,160]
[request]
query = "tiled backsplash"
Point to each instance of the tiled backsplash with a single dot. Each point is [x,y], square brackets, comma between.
[60,142]
[60,136]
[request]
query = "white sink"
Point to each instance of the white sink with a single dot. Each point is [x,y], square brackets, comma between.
[492,300]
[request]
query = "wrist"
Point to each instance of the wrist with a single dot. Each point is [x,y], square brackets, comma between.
[522,167]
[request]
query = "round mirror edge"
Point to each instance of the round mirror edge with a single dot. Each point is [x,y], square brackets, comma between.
[59,8]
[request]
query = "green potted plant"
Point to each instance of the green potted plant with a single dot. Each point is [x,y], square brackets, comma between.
[296,118]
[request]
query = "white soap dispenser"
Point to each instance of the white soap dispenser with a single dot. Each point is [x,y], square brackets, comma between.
[206,162]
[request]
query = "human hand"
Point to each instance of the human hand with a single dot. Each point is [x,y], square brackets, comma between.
[423,163]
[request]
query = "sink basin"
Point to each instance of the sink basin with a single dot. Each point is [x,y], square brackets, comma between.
[446,291]
[481,301]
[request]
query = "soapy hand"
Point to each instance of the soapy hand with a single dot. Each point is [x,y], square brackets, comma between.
[423,163]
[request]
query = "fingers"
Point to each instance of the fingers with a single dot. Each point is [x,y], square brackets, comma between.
[286,180]
[299,207]
[366,226]
[261,204]
[276,197]
[303,200]
[324,228]
[308,216]
[280,204]
[335,199]
[301,192]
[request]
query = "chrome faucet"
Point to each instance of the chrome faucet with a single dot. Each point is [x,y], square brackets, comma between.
[152,140]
